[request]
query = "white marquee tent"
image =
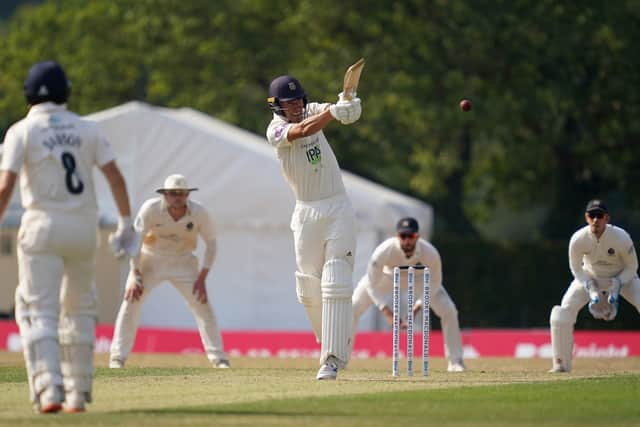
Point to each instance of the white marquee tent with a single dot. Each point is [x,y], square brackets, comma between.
[252,283]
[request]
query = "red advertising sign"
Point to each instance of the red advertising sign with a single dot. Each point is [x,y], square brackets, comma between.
[519,343]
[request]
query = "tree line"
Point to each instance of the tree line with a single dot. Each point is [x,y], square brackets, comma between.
[553,86]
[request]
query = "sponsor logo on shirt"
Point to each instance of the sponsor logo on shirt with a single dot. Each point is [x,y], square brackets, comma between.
[611,251]
[279,131]
[314,155]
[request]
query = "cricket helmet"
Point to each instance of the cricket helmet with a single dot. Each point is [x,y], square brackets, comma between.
[284,88]
[46,81]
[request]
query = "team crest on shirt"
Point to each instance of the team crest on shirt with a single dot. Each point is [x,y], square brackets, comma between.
[190,226]
[611,251]
[279,131]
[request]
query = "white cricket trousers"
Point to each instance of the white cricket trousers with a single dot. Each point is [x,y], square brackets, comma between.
[56,297]
[181,272]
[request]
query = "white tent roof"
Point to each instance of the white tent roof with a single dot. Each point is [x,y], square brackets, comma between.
[236,171]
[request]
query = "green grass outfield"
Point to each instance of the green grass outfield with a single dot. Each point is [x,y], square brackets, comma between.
[172,390]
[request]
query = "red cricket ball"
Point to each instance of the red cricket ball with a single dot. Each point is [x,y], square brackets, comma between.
[465,105]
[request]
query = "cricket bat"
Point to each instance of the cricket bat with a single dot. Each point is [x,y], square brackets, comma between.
[351,79]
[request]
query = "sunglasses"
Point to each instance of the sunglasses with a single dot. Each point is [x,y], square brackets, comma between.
[594,215]
[404,236]
[177,193]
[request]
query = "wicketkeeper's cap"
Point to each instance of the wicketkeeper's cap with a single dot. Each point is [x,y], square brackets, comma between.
[407,225]
[597,205]
[175,182]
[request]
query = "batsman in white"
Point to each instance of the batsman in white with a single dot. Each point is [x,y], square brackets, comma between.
[604,265]
[323,221]
[168,227]
[54,151]
[407,248]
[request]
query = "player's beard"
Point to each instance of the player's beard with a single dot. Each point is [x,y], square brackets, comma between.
[408,247]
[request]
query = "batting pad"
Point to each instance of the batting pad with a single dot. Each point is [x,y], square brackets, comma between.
[561,322]
[40,348]
[77,337]
[337,311]
[310,296]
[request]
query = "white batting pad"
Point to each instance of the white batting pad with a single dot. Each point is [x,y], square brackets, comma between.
[77,337]
[337,317]
[40,347]
[561,338]
[337,311]
[310,296]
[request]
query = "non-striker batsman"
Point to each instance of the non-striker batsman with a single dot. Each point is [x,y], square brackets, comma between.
[54,151]
[323,221]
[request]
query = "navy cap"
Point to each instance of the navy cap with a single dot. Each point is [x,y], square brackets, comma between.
[286,88]
[46,81]
[407,225]
[597,205]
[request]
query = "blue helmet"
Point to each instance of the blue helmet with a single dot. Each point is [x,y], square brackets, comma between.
[46,81]
[284,88]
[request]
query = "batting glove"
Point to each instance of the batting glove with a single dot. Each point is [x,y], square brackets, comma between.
[346,112]
[123,238]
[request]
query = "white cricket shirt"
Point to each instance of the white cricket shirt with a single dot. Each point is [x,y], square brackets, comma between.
[308,164]
[162,235]
[54,151]
[389,254]
[613,255]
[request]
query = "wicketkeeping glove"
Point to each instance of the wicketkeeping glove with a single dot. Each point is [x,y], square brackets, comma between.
[592,290]
[614,291]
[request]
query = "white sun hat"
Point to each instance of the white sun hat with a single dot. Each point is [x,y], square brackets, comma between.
[175,182]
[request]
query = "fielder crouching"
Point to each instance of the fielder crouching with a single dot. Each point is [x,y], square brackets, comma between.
[604,264]
[169,227]
[407,248]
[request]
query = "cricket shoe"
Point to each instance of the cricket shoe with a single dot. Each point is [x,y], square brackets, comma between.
[221,364]
[116,363]
[456,366]
[50,400]
[557,370]
[74,402]
[329,370]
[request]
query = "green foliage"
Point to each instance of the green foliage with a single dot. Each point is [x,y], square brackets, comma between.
[554,87]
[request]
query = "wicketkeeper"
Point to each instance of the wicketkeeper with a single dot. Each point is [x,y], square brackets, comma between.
[169,227]
[323,222]
[604,264]
[407,248]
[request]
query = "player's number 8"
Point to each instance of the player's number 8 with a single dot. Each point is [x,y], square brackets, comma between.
[75,186]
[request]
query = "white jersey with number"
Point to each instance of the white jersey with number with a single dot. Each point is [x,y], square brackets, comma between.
[54,150]
[613,255]
[389,254]
[309,164]
[162,235]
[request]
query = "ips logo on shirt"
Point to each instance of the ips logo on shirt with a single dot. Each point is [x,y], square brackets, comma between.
[190,226]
